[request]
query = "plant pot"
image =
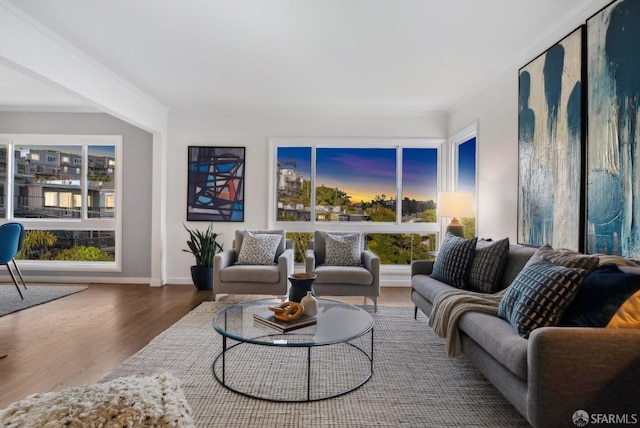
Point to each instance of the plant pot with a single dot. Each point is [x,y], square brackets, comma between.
[202,277]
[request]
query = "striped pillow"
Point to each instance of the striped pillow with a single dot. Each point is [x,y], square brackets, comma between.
[540,295]
[454,260]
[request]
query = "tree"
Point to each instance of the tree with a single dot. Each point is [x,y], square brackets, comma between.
[332,196]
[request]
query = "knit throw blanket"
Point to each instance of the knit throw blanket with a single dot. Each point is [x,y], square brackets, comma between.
[450,306]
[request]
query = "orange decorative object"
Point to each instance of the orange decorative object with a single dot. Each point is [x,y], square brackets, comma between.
[287,311]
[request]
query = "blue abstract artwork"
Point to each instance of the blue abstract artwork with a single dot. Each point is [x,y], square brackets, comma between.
[613,173]
[550,146]
[216,184]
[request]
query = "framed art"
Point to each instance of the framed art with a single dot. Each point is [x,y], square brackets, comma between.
[613,102]
[551,146]
[215,190]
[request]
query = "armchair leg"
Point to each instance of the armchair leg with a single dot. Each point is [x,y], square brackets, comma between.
[24,284]
[415,312]
[14,281]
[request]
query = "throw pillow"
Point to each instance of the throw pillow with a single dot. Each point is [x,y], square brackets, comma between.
[454,260]
[601,295]
[628,315]
[567,258]
[488,265]
[539,295]
[343,249]
[258,248]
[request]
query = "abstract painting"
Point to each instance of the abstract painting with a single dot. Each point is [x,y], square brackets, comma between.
[613,99]
[216,184]
[551,145]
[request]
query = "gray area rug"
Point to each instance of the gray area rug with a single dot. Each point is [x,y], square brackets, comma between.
[34,295]
[414,383]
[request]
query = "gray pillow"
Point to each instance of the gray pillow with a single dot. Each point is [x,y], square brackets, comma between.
[258,248]
[488,265]
[343,249]
[567,258]
[540,295]
[454,260]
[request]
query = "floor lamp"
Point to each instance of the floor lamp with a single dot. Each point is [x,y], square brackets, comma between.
[454,205]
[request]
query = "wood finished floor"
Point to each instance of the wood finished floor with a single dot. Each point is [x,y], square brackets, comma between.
[80,338]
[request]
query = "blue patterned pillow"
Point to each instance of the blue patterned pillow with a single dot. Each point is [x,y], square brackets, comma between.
[488,265]
[540,295]
[454,260]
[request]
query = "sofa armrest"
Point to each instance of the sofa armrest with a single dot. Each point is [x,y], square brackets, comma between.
[286,263]
[575,368]
[225,259]
[310,261]
[372,263]
[421,267]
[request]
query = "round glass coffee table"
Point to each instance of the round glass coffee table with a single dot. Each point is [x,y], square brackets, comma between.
[330,358]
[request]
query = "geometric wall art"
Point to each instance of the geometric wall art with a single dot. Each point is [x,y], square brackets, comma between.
[216,183]
[551,146]
[613,103]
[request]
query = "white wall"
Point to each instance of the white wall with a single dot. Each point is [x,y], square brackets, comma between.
[495,108]
[252,130]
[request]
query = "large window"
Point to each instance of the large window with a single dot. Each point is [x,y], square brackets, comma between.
[465,180]
[66,190]
[386,188]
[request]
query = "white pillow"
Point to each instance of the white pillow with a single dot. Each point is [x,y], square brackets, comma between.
[258,248]
[343,249]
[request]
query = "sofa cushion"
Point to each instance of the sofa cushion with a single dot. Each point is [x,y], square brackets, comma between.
[343,249]
[454,260]
[567,258]
[488,265]
[540,295]
[251,273]
[343,275]
[429,287]
[600,297]
[499,339]
[258,248]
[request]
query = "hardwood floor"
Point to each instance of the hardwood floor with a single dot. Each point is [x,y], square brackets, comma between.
[80,338]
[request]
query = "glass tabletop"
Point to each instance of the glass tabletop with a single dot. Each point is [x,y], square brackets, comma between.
[336,322]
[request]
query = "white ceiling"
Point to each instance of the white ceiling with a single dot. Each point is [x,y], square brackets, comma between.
[426,55]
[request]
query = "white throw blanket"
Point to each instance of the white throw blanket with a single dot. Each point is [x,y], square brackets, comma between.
[451,305]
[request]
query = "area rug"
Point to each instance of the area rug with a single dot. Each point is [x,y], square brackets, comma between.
[414,383]
[10,300]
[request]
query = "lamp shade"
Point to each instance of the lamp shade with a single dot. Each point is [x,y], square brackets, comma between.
[455,204]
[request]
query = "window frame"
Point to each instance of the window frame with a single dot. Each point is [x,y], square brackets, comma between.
[84,223]
[357,142]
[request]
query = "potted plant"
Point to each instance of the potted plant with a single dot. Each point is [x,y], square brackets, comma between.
[203,246]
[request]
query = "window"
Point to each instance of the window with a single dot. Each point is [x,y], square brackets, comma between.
[465,165]
[384,187]
[51,190]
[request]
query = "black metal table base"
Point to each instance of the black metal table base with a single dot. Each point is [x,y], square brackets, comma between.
[221,377]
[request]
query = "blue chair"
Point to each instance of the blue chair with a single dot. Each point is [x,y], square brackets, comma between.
[9,243]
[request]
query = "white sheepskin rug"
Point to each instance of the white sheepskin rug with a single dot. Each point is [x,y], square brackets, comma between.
[156,401]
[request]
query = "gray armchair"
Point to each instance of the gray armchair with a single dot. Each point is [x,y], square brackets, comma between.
[229,277]
[362,280]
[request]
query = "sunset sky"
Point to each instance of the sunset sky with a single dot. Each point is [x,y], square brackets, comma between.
[364,173]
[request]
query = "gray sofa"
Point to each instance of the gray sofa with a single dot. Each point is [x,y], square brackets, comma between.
[554,373]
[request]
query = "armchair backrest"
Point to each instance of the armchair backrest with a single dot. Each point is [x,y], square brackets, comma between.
[237,243]
[319,244]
